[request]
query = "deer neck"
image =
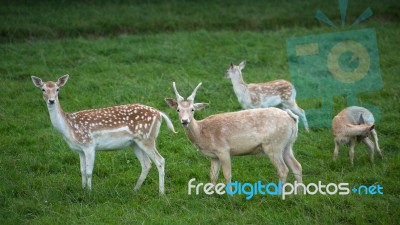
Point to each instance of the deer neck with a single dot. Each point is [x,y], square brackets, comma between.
[58,118]
[193,132]
[241,90]
[239,86]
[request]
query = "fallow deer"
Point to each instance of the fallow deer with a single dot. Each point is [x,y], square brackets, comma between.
[276,93]
[354,124]
[269,131]
[109,128]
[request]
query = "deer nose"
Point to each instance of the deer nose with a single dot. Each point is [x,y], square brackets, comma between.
[185,122]
[51,101]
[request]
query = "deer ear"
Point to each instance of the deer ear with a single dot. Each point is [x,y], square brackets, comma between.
[199,106]
[242,65]
[62,80]
[37,81]
[171,102]
[372,127]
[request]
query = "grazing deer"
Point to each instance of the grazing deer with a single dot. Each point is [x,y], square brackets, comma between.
[354,124]
[276,93]
[270,131]
[106,129]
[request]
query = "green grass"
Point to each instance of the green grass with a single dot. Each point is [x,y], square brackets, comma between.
[24,20]
[40,177]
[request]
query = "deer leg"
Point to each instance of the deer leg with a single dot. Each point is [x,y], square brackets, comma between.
[351,153]
[275,155]
[292,105]
[82,162]
[336,151]
[145,163]
[89,158]
[214,171]
[293,164]
[150,149]
[370,145]
[375,136]
[226,166]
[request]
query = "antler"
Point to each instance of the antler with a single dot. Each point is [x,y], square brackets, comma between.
[179,98]
[191,97]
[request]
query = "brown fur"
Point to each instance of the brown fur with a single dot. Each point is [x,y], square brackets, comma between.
[354,124]
[269,131]
[276,93]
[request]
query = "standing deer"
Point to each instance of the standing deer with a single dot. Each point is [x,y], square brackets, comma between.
[276,93]
[270,131]
[106,129]
[354,124]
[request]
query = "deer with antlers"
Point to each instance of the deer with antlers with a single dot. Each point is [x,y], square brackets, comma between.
[276,93]
[109,128]
[269,131]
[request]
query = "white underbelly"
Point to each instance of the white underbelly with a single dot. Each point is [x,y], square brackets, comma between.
[112,139]
[270,101]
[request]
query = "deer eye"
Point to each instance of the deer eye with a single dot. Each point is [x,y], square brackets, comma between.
[43,90]
[58,89]
[192,109]
[177,110]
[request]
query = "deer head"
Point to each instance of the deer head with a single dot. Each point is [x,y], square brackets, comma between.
[185,108]
[235,71]
[50,89]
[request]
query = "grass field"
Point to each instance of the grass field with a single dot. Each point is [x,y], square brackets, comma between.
[117,52]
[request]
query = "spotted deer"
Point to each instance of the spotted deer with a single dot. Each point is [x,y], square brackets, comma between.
[354,124]
[108,128]
[269,131]
[276,93]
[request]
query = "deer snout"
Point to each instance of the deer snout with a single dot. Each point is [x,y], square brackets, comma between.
[51,101]
[185,122]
